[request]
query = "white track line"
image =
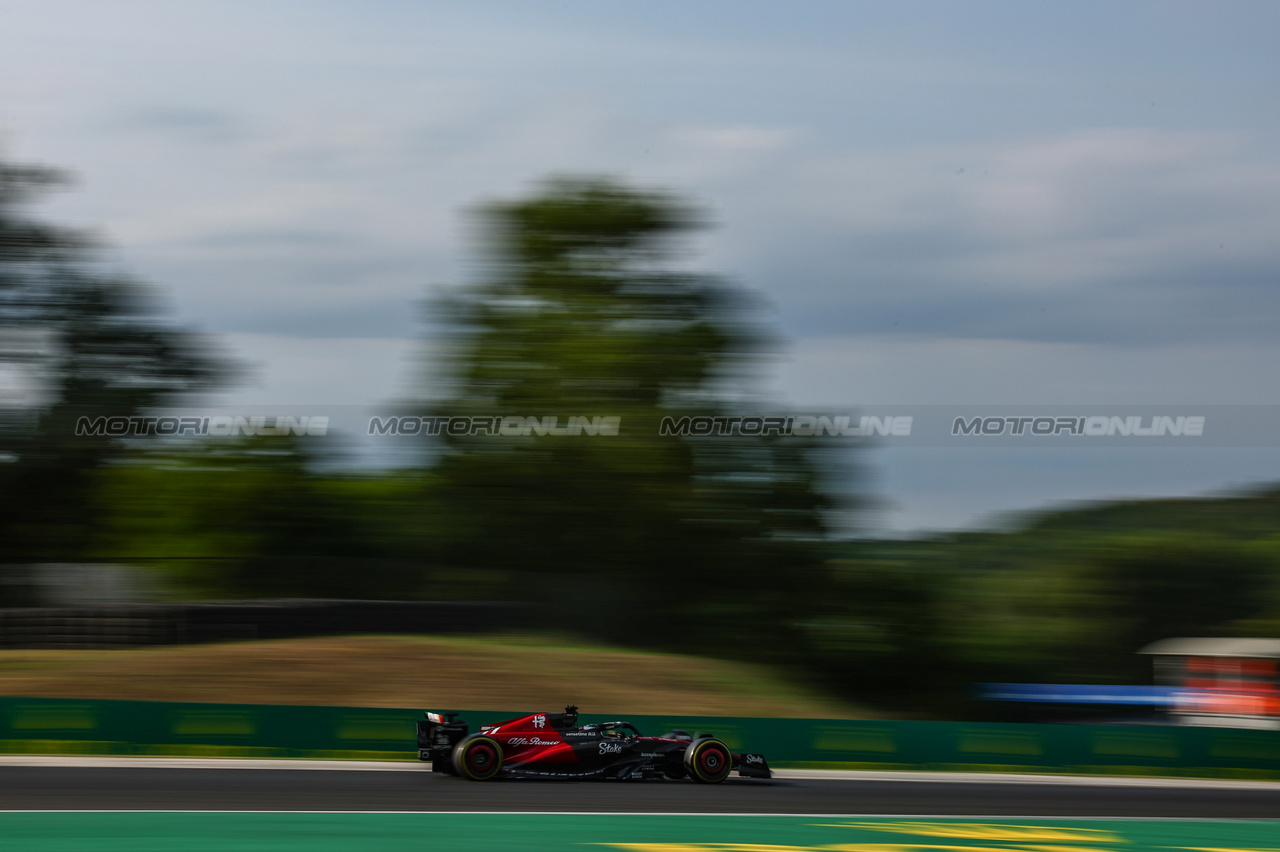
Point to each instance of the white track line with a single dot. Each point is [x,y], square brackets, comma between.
[70,761]
[1015,778]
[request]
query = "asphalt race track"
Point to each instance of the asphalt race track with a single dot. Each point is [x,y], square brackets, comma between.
[73,787]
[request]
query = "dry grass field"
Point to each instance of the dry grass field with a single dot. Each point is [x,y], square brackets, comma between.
[490,673]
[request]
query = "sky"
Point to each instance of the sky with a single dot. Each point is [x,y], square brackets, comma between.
[977,203]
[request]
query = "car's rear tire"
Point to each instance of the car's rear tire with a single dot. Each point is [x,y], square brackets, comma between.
[477,758]
[708,760]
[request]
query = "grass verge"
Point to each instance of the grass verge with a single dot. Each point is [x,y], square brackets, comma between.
[479,673]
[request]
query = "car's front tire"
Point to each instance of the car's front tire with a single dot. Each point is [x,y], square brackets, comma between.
[477,758]
[708,760]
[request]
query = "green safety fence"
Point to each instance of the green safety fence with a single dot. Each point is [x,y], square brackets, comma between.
[69,726]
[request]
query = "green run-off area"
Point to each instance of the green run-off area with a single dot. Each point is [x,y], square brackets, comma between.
[321,832]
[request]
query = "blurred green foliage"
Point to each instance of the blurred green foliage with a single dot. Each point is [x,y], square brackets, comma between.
[253,517]
[706,542]
[1066,597]
[714,544]
[75,336]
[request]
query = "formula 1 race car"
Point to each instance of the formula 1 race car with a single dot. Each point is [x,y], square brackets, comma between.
[553,745]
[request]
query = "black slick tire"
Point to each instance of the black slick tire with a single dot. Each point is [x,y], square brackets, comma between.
[477,758]
[708,760]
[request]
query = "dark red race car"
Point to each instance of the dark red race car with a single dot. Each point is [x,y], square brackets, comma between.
[553,745]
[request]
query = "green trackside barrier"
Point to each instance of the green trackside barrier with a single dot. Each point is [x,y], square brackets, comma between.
[69,726]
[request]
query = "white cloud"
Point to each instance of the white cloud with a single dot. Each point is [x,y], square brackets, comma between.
[1072,209]
[293,371]
[939,371]
[963,212]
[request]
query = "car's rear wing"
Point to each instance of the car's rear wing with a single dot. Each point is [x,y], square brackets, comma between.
[438,733]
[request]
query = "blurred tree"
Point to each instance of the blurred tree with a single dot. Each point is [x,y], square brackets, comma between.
[253,517]
[75,339]
[1078,609]
[877,634]
[1179,585]
[696,542]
